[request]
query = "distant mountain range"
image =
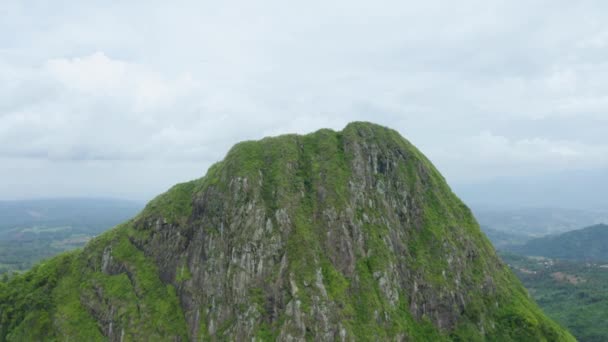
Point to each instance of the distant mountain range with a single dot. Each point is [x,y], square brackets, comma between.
[87,213]
[578,189]
[589,243]
[503,240]
[537,222]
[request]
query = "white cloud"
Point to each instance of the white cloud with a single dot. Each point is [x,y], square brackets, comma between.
[537,151]
[596,40]
[91,74]
[97,75]
[152,82]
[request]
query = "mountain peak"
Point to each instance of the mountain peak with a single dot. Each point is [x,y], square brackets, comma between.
[327,236]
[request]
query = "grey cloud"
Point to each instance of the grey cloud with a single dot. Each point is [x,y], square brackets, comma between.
[142,83]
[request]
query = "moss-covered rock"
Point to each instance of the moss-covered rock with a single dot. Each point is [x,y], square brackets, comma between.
[350,235]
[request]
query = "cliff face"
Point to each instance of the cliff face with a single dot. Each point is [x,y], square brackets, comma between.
[349,235]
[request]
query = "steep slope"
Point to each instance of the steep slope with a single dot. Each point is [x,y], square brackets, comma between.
[589,243]
[348,235]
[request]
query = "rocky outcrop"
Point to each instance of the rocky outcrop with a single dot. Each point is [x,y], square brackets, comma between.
[349,235]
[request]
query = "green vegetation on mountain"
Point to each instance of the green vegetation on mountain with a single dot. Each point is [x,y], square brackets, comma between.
[328,236]
[573,293]
[589,243]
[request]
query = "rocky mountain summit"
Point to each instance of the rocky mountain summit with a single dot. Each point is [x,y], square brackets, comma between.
[330,236]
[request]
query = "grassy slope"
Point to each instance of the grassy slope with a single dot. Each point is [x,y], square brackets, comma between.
[47,301]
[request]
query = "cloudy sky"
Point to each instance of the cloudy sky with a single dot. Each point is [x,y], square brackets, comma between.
[125,98]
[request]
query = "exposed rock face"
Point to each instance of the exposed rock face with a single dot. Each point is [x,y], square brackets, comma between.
[348,235]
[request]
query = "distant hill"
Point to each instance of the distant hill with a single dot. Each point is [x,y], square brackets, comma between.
[536,222]
[503,240]
[578,189]
[590,243]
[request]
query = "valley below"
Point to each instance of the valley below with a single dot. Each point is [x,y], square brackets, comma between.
[565,271]
[34,230]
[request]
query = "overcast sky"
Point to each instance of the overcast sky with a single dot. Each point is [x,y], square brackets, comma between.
[125,98]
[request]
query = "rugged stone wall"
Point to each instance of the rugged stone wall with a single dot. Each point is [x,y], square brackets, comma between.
[235,245]
[349,235]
